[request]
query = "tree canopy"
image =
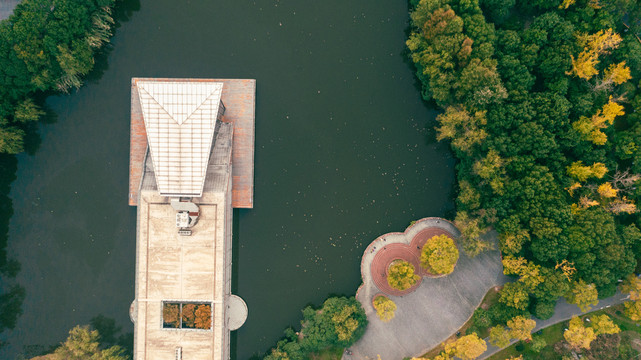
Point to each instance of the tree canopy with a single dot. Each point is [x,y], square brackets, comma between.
[439,255]
[541,107]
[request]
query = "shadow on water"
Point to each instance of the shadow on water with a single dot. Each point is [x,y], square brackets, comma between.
[11,294]
[235,258]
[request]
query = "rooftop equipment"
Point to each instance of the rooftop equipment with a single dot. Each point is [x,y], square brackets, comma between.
[186,214]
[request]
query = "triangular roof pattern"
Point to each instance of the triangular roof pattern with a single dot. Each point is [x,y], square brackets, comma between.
[180,120]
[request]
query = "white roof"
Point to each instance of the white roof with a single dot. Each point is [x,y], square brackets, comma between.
[180,118]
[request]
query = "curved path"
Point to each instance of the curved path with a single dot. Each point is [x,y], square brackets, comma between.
[436,309]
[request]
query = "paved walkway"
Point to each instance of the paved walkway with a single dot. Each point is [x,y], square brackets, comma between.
[563,311]
[6,8]
[438,307]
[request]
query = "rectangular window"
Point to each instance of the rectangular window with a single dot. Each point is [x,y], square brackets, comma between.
[186,315]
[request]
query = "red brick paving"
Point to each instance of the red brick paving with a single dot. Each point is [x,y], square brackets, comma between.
[239,99]
[410,253]
[381,262]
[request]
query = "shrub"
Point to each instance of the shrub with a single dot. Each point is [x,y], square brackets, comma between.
[401,275]
[538,344]
[439,255]
[385,308]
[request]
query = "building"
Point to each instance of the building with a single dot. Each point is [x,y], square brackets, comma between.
[191,162]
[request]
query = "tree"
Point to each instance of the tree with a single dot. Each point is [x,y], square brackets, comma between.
[590,128]
[633,310]
[515,295]
[171,315]
[439,254]
[581,172]
[203,316]
[467,347]
[606,190]
[83,344]
[577,335]
[344,323]
[632,286]
[602,324]
[521,328]
[11,139]
[385,308]
[188,315]
[401,275]
[340,322]
[615,74]
[530,274]
[27,111]
[471,231]
[594,46]
[464,129]
[584,295]
[499,336]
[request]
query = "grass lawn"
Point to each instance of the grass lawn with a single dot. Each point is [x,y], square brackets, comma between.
[490,298]
[554,334]
[327,354]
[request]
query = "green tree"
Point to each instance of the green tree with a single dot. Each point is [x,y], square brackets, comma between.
[515,295]
[83,344]
[499,336]
[439,255]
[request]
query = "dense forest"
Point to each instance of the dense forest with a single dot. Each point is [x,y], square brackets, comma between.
[46,46]
[542,106]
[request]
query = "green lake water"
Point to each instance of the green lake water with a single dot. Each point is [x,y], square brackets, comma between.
[345,151]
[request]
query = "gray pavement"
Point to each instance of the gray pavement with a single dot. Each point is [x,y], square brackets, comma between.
[563,311]
[436,310]
[6,8]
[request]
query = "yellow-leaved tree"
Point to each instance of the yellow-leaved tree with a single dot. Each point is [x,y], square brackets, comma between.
[582,172]
[577,335]
[602,324]
[521,327]
[467,347]
[385,308]
[529,273]
[439,255]
[594,45]
[582,294]
[590,128]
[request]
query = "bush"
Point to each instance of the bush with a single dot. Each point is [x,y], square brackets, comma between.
[538,344]
[481,318]
[439,255]
[401,275]
[385,308]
